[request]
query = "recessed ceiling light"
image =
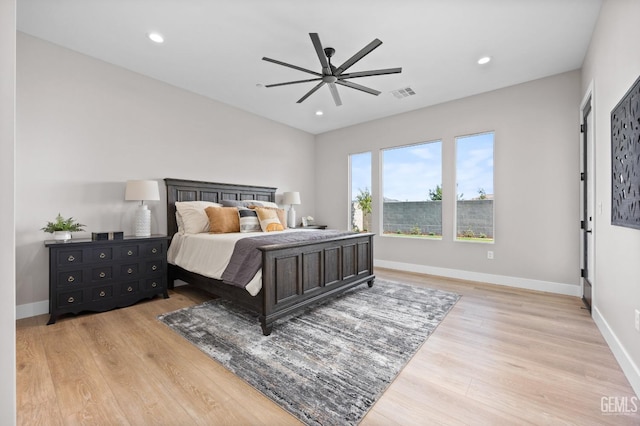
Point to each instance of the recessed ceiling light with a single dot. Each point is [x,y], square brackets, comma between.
[484,60]
[319,112]
[156,37]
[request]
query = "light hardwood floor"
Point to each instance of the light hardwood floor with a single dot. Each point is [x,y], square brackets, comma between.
[502,356]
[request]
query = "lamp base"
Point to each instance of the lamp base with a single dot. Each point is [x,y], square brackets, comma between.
[142,224]
[291,218]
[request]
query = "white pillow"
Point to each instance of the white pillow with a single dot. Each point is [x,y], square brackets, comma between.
[269,204]
[192,216]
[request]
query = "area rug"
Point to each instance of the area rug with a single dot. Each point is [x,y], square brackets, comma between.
[328,364]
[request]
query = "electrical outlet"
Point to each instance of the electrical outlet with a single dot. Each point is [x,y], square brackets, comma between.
[637,321]
[490,255]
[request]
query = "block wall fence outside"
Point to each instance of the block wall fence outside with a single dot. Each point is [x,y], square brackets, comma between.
[425,217]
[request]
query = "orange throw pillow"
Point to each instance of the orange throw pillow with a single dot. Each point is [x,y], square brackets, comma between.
[223,219]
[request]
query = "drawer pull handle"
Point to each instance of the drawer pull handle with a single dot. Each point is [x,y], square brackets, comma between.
[154,250]
[154,284]
[129,289]
[154,267]
[102,275]
[102,293]
[102,255]
[71,258]
[130,253]
[71,278]
[129,271]
[71,300]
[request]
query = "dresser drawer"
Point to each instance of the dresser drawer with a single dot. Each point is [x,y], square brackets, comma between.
[151,284]
[103,254]
[129,270]
[153,249]
[69,257]
[129,251]
[67,278]
[102,273]
[102,292]
[69,298]
[131,287]
[154,266]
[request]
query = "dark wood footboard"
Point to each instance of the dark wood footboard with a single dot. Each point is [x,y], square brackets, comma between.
[294,275]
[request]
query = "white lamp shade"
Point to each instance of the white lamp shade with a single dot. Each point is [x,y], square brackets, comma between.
[142,190]
[291,198]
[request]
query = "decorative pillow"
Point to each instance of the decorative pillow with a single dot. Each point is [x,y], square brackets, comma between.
[282,215]
[268,218]
[223,219]
[268,204]
[248,220]
[191,217]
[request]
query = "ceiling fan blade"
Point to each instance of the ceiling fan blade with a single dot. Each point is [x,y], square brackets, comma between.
[358,87]
[335,94]
[370,73]
[295,67]
[315,39]
[311,92]
[292,82]
[355,58]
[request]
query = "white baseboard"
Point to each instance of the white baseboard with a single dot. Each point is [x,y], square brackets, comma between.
[551,287]
[32,309]
[629,368]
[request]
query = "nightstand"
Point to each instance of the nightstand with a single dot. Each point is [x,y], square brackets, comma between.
[87,275]
[314,227]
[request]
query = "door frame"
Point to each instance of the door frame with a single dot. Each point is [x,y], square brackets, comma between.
[588,186]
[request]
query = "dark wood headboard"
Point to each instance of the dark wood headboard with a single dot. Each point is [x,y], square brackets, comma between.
[191,190]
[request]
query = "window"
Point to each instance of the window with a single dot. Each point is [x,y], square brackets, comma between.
[360,194]
[474,187]
[412,190]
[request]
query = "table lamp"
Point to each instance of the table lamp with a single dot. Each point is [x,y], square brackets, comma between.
[291,198]
[141,190]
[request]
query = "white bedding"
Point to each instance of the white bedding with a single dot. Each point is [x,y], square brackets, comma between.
[209,254]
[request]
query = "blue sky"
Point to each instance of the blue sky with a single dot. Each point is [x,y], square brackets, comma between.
[411,171]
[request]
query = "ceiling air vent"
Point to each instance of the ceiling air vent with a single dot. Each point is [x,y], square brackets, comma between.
[403,93]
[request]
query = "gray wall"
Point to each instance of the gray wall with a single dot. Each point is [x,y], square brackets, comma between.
[85,127]
[611,68]
[536,161]
[7,230]
[425,217]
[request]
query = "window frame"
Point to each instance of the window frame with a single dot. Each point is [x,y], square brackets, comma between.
[409,234]
[456,237]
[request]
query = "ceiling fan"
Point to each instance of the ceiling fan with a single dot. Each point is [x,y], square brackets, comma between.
[331,75]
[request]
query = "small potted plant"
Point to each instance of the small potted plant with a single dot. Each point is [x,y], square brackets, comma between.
[62,228]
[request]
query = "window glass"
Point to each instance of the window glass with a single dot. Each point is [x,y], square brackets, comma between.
[360,191]
[474,187]
[412,190]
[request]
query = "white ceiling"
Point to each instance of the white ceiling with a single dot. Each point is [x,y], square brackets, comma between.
[214,48]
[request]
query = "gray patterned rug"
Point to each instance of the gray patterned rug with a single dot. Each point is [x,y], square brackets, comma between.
[328,364]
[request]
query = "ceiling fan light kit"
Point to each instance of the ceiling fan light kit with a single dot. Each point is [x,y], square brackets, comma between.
[332,76]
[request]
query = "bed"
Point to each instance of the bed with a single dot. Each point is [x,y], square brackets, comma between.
[294,275]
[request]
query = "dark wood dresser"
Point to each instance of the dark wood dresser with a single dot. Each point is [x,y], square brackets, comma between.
[86,275]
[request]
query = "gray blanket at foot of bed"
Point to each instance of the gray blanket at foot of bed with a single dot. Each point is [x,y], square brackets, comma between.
[246,259]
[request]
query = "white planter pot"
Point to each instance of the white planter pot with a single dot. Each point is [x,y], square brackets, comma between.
[62,235]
